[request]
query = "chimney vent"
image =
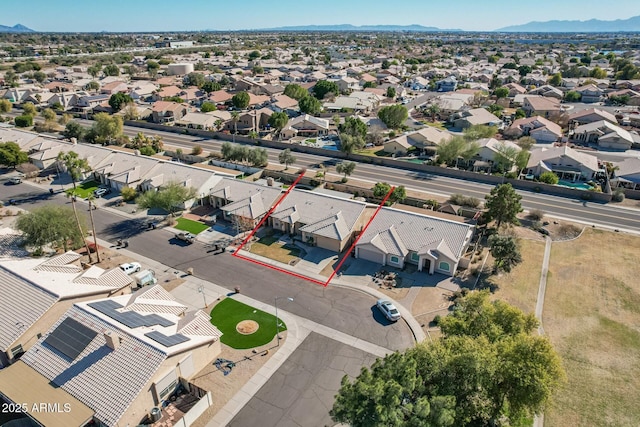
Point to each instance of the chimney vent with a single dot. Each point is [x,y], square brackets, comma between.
[113,341]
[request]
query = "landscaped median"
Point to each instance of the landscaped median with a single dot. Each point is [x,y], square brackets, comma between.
[243,326]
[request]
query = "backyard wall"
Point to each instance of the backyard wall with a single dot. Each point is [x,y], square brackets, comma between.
[198,409]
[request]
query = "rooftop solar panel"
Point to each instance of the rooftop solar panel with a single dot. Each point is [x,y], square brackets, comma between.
[130,319]
[70,338]
[167,341]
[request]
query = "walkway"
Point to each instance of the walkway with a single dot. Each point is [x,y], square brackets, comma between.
[538,420]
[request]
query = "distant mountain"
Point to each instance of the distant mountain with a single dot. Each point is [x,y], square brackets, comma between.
[590,26]
[349,27]
[18,28]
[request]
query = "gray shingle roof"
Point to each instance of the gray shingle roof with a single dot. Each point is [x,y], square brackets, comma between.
[106,380]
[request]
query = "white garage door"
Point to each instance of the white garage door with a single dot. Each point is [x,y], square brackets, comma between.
[371,255]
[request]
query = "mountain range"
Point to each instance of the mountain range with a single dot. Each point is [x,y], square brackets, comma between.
[590,26]
[18,28]
[349,27]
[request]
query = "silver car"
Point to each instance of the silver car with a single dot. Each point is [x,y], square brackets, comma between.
[388,310]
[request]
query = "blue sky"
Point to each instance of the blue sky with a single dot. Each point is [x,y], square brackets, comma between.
[193,15]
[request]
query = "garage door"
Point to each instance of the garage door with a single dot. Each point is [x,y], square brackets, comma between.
[371,255]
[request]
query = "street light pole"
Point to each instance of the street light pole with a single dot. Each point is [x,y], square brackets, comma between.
[278,321]
[204,297]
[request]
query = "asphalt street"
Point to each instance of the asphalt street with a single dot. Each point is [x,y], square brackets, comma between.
[345,310]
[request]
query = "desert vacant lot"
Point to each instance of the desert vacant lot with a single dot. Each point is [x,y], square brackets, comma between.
[592,314]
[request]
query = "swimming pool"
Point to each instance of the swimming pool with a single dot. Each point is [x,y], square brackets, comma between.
[576,185]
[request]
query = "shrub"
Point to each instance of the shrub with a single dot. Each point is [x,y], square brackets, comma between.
[568,231]
[196,150]
[128,193]
[24,121]
[618,195]
[549,178]
[436,320]
[462,200]
[536,215]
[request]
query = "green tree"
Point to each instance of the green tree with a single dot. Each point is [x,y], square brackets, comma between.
[286,158]
[92,85]
[520,114]
[449,151]
[369,85]
[24,121]
[152,68]
[131,112]
[380,190]
[170,197]
[39,76]
[74,129]
[5,106]
[345,168]
[107,128]
[526,142]
[505,157]
[51,225]
[118,100]
[48,114]
[194,79]
[433,110]
[235,118]
[503,205]
[548,178]
[241,100]
[555,80]
[75,166]
[524,70]
[353,126]
[111,70]
[11,155]
[207,107]
[151,144]
[29,109]
[254,55]
[257,69]
[278,121]
[258,157]
[323,87]
[505,252]
[391,92]
[94,71]
[295,91]
[128,193]
[572,96]
[176,98]
[210,86]
[393,115]
[310,105]
[398,194]
[501,92]
[598,73]
[349,143]
[476,132]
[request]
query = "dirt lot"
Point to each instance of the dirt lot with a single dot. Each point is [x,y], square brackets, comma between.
[592,314]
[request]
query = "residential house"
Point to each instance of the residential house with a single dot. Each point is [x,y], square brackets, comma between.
[590,93]
[219,97]
[68,100]
[168,112]
[475,116]
[448,84]
[591,115]
[567,163]
[305,125]
[490,148]
[36,291]
[427,138]
[114,87]
[319,220]
[540,106]
[633,97]
[604,134]
[168,92]
[348,84]
[283,103]
[548,91]
[542,130]
[627,174]
[130,354]
[515,89]
[250,121]
[89,102]
[195,120]
[397,238]
[142,90]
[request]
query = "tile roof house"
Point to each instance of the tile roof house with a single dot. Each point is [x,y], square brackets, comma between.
[590,93]
[426,138]
[36,291]
[168,112]
[490,148]
[628,174]
[604,134]
[114,87]
[243,202]
[591,115]
[321,220]
[396,238]
[475,116]
[537,127]
[565,162]
[305,125]
[541,106]
[129,354]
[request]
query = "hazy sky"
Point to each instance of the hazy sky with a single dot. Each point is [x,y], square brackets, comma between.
[193,15]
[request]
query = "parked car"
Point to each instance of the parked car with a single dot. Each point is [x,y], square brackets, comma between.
[388,310]
[186,237]
[130,267]
[15,180]
[101,191]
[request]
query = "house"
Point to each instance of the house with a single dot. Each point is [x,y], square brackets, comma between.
[565,162]
[195,120]
[604,134]
[35,291]
[633,97]
[489,149]
[319,220]
[89,102]
[220,97]
[283,103]
[243,203]
[591,115]
[130,354]
[348,84]
[68,100]
[305,125]
[427,138]
[396,238]
[590,93]
[534,105]
[515,89]
[475,116]
[448,84]
[168,112]
[627,174]
[548,91]
[542,130]
[114,87]
[250,121]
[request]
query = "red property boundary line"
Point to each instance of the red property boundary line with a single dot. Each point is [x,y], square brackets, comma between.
[291,273]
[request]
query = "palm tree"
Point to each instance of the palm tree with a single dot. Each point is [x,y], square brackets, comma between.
[235,117]
[92,204]
[75,165]
[433,110]
[75,214]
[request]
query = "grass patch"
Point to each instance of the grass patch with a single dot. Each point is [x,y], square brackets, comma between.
[591,315]
[193,227]
[373,151]
[229,312]
[267,247]
[84,189]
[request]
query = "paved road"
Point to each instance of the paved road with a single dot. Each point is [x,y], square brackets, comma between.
[302,391]
[345,310]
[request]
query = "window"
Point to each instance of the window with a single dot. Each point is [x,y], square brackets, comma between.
[415,256]
[168,390]
[444,266]
[16,351]
[395,260]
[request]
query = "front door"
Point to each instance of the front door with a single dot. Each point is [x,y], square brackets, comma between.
[426,266]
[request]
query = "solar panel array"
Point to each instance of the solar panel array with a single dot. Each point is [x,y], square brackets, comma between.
[70,338]
[132,319]
[165,340]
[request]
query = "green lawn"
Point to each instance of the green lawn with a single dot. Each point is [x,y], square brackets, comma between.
[85,189]
[229,312]
[193,227]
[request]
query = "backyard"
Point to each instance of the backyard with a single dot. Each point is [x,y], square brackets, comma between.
[592,313]
[84,189]
[193,227]
[270,247]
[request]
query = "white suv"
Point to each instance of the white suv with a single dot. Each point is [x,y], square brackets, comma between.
[130,267]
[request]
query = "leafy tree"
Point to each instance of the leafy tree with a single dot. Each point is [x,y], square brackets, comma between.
[118,100]
[48,114]
[94,71]
[345,168]
[64,119]
[385,64]
[74,165]
[210,86]
[524,70]
[457,147]
[502,92]
[323,87]
[207,107]
[194,79]
[254,55]
[107,128]
[380,190]
[526,142]
[152,68]
[92,206]
[257,69]
[495,109]
[176,98]
[51,225]
[258,157]
[24,121]
[349,144]
[475,132]
[398,194]
[505,252]
[310,105]
[520,114]
[295,91]
[391,92]
[572,96]
[503,205]
[39,76]
[555,80]
[393,115]
[353,126]
[11,155]
[286,158]
[235,118]
[369,84]
[278,121]
[170,197]
[128,193]
[111,70]
[142,142]
[505,157]
[433,110]
[131,112]
[5,106]
[598,73]
[29,109]
[548,178]
[241,100]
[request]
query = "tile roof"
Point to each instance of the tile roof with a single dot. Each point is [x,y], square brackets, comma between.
[334,227]
[234,190]
[11,243]
[252,207]
[543,155]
